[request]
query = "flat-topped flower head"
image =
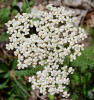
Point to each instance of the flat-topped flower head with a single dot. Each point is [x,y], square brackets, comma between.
[51,80]
[46,40]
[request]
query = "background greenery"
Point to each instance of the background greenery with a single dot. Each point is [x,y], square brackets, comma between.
[13,83]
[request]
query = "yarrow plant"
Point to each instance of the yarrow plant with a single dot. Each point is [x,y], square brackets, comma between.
[46,40]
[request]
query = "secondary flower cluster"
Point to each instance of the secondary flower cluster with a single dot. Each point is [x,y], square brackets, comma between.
[46,40]
[52,80]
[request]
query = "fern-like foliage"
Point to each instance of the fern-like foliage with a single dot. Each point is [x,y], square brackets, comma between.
[86,60]
[29,72]
[19,90]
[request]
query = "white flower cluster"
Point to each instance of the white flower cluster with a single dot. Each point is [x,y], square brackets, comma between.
[46,41]
[52,80]
[56,36]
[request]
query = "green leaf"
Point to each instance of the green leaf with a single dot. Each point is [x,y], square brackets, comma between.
[29,71]
[66,60]
[66,89]
[84,67]
[83,80]
[51,97]
[19,89]
[14,12]
[24,7]
[31,3]
[14,2]
[84,90]
[91,31]
[3,67]
[88,76]
[35,19]
[4,85]
[3,36]
[76,79]
[4,15]
[27,10]
[92,89]
[7,75]
[14,64]
[74,96]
